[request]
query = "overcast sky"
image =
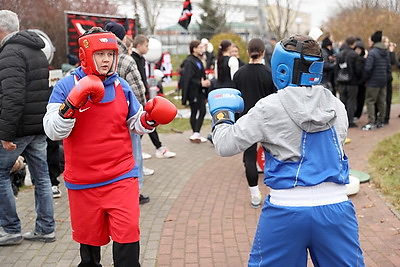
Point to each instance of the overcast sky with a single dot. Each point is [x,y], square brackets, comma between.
[320,9]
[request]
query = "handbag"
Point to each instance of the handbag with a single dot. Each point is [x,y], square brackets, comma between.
[343,73]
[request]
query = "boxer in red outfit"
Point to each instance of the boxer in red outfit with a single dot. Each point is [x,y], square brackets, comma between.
[93,111]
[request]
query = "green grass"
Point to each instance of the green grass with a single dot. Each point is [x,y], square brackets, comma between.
[178,125]
[396,87]
[384,168]
[176,62]
[384,165]
[170,93]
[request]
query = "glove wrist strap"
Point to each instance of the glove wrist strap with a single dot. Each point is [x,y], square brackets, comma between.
[149,125]
[223,116]
[67,110]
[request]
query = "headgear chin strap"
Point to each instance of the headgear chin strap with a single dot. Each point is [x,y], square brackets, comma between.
[92,42]
[291,67]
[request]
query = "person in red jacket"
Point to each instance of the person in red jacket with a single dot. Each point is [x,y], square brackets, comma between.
[93,110]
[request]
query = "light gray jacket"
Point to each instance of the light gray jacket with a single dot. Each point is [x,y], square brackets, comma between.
[278,121]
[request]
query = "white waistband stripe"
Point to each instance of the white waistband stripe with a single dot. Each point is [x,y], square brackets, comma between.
[302,196]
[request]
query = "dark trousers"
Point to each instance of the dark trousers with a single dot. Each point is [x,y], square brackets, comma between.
[54,160]
[360,101]
[124,255]
[348,96]
[376,96]
[155,139]
[250,165]
[198,111]
[389,93]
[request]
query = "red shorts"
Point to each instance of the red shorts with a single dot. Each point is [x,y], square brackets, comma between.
[106,211]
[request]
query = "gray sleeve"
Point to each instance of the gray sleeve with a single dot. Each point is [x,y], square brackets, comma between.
[249,129]
[56,127]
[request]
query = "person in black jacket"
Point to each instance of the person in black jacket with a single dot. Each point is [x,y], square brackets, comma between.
[269,50]
[377,70]
[254,81]
[348,58]
[193,83]
[24,92]
[329,65]
[360,50]
[226,65]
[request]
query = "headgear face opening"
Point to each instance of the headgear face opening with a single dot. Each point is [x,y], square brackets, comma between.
[291,67]
[92,42]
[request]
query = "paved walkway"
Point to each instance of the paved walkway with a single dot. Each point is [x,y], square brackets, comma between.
[199,213]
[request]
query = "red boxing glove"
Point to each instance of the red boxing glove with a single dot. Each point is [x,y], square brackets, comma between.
[159,110]
[90,85]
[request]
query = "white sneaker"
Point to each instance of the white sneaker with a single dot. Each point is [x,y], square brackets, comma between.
[163,153]
[256,201]
[197,138]
[147,171]
[203,139]
[146,155]
[56,191]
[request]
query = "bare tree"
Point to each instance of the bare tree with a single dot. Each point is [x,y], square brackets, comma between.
[351,20]
[391,5]
[281,14]
[151,11]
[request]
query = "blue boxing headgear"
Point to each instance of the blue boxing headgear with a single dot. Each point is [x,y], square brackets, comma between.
[292,67]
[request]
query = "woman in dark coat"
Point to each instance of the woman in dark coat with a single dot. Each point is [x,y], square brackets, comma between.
[193,83]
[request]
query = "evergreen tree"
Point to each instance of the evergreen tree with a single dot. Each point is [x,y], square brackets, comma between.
[138,26]
[213,20]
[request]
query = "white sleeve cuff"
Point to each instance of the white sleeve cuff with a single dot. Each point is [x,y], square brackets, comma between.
[56,127]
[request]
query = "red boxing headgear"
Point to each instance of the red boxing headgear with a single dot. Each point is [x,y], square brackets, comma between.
[92,42]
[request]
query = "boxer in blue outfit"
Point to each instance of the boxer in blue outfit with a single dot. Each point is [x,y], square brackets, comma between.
[302,129]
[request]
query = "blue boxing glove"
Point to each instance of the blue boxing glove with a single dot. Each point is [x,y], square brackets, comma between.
[224,103]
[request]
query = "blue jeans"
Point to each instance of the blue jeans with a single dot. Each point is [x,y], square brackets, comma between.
[137,154]
[34,149]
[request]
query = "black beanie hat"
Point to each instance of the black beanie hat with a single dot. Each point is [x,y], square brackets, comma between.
[116,29]
[360,45]
[326,42]
[376,37]
[72,60]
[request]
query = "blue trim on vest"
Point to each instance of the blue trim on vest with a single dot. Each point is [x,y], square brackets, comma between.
[322,160]
[132,173]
